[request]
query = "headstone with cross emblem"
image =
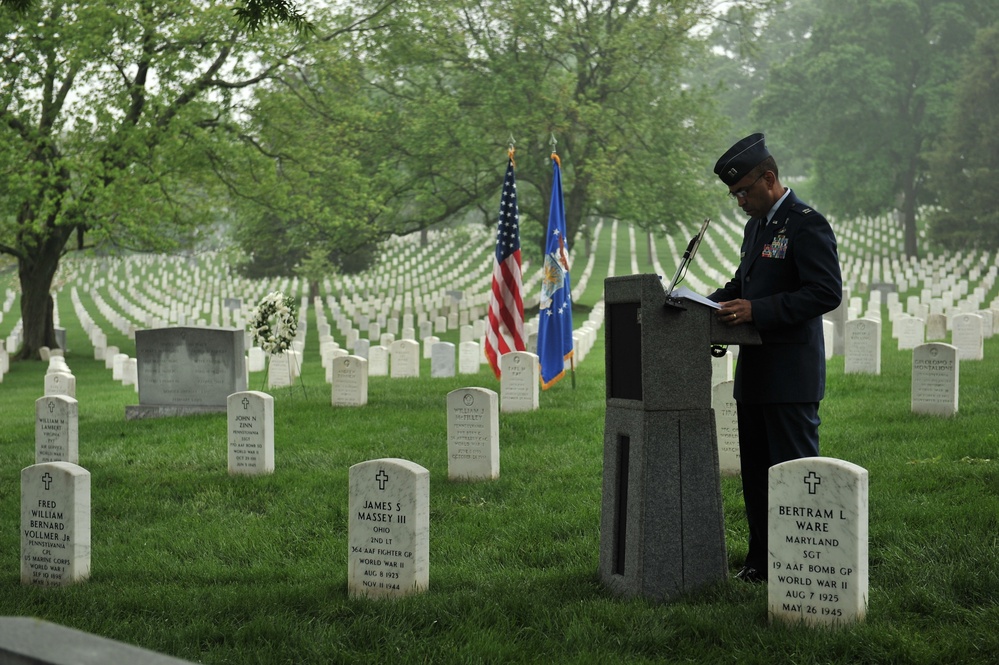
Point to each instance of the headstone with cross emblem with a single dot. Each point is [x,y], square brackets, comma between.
[251,432]
[388,529]
[818,541]
[473,434]
[55,524]
[57,429]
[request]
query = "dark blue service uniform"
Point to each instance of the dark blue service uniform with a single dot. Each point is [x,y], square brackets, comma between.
[789,270]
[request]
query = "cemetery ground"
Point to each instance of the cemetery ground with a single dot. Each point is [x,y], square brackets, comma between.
[192,562]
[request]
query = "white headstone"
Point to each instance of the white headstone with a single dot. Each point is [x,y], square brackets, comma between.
[130,372]
[60,383]
[118,365]
[910,332]
[378,361]
[863,347]
[468,358]
[428,346]
[472,434]
[818,541]
[388,529]
[405,359]
[57,429]
[829,337]
[935,379]
[55,524]
[251,432]
[967,336]
[519,381]
[279,374]
[936,327]
[442,360]
[350,381]
[256,359]
[727,428]
[721,369]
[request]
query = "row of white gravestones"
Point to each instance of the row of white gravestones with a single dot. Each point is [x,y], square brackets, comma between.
[57,414]
[519,380]
[389,505]
[818,541]
[59,379]
[935,390]
[123,368]
[405,359]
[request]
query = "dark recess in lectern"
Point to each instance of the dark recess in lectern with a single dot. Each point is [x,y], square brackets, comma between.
[625,335]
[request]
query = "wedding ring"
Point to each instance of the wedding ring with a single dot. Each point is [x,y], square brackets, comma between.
[735,316]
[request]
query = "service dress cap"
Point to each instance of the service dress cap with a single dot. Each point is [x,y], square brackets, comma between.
[741,158]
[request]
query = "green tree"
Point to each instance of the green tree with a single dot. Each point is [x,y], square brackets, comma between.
[866,96]
[253,13]
[746,42]
[603,78]
[331,166]
[965,165]
[106,121]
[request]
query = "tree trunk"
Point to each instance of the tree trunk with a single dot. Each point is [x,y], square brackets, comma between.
[36,304]
[36,269]
[909,226]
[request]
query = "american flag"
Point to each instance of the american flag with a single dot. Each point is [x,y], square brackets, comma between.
[506,303]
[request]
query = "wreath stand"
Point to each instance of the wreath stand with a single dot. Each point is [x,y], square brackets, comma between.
[291,384]
[273,326]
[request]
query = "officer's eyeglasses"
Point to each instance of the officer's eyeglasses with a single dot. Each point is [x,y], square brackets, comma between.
[741,194]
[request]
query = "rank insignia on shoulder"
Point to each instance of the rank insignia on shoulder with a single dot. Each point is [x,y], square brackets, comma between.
[805,211]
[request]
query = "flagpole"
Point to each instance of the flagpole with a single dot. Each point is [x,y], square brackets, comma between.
[572,358]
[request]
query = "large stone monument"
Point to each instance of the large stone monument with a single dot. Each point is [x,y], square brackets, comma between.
[662,530]
[187,370]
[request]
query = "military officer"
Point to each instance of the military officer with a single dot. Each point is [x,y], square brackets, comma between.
[788,277]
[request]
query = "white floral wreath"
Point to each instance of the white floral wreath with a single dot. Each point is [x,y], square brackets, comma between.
[274,322]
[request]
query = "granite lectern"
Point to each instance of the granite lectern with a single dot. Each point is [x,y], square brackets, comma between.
[662,530]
